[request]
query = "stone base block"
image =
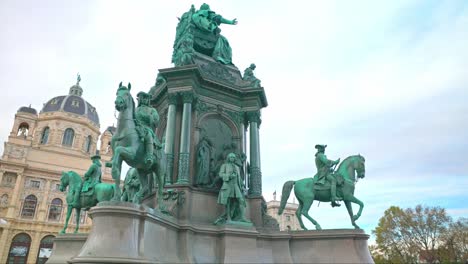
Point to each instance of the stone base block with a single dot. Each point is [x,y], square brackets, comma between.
[66,246]
[128,233]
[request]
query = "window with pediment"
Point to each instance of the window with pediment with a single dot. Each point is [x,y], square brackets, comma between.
[55,209]
[29,207]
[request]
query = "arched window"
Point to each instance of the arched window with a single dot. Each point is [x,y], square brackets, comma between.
[23,129]
[19,249]
[45,249]
[87,145]
[45,135]
[68,137]
[29,207]
[4,200]
[55,210]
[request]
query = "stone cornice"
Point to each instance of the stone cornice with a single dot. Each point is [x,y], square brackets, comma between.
[219,86]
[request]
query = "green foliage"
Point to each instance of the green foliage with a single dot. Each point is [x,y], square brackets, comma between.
[422,234]
[455,243]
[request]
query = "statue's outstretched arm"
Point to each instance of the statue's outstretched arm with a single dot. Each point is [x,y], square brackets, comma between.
[227,21]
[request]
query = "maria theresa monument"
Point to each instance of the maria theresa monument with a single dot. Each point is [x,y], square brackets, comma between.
[194,190]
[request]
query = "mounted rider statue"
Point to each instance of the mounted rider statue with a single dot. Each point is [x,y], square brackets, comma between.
[325,172]
[147,119]
[91,177]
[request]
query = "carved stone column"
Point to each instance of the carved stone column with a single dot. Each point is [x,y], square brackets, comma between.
[1,176]
[255,168]
[184,152]
[170,136]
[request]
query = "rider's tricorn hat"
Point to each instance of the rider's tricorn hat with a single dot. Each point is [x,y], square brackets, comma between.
[143,95]
[95,157]
[320,146]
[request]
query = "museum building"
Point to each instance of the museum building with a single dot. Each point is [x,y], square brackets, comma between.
[61,137]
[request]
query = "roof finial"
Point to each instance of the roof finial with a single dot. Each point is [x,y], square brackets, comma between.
[78,79]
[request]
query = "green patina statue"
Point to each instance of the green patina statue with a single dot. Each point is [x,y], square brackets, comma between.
[93,175]
[204,160]
[131,187]
[250,77]
[203,23]
[231,194]
[307,191]
[79,199]
[148,119]
[325,172]
[134,143]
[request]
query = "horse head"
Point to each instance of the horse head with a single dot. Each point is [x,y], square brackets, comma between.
[124,98]
[360,166]
[64,181]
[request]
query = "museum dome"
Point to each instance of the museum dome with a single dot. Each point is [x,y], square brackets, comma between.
[72,103]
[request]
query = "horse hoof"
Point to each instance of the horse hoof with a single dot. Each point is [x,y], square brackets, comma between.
[318,227]
[62,232]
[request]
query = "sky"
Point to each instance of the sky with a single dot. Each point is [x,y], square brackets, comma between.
[386,79]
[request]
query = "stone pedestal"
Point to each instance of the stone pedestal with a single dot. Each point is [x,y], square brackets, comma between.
[66,246]
[127,233]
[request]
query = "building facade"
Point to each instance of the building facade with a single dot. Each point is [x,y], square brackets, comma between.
[287,220]
[61,137]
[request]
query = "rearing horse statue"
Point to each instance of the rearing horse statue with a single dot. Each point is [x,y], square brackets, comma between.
[306,192]
[127,146]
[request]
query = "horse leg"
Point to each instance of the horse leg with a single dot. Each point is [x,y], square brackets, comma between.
[143,178]
[298,215]
[305,211]
[361,206]
[160,177]
[350,212]
[69,211]
[119,154]
[151,183]
[78,212]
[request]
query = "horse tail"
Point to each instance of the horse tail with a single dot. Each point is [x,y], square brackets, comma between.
[287,187]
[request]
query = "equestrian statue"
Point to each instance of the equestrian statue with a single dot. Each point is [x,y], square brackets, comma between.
[135,143]
[327,186]
[84,194]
